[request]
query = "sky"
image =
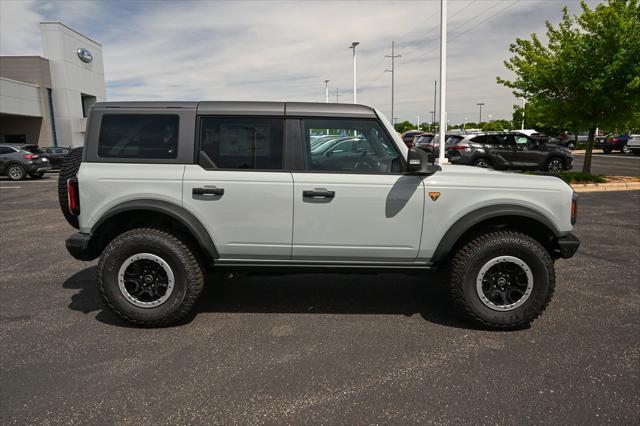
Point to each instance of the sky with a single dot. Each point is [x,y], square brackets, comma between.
[284,50]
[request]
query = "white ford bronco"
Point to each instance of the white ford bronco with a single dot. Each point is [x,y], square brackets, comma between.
[162,191]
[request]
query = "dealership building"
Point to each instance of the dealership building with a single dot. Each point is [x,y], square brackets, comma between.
[44,100]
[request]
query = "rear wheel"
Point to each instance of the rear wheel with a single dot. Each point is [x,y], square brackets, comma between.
[150,277]
[68,170]
[607,150]
[502,280]
[626,149]
[484,163]
[16,172]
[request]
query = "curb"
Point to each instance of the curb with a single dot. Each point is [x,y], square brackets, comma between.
[609,186]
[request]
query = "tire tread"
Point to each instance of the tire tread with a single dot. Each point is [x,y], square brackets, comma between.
[193,269]
[68,169]
[462,259]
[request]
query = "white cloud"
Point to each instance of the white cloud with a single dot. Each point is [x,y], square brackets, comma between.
[274,50]
[19,28]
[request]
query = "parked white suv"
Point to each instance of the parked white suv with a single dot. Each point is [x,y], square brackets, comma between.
[162,191]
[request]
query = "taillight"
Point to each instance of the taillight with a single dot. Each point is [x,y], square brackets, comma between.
[28,156]
[73,196]
[574,209]
[458,147]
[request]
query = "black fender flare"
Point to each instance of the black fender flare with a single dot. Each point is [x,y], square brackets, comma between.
[469,220]
[178,213]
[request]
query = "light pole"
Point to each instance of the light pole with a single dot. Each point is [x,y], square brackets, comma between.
[435,99]
[524,102]
[418,127]
[433,119]
[353,46]
[326,91]
[480,105]
[443,78]
[393,57]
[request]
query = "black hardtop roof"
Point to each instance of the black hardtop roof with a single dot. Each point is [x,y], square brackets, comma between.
[299,109]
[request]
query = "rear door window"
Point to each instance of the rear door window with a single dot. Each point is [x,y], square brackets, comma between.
[138,136]
[243,142]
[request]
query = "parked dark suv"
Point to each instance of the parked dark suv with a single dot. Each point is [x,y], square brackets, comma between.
[506,150]
[16,162]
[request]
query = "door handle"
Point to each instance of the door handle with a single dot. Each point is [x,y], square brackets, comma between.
[319,193]
[208,191]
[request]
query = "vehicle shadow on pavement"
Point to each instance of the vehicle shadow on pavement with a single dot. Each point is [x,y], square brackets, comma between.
[346,294]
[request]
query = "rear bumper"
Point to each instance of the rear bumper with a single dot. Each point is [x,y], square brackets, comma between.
[35,168]
[79,246]
[568,245]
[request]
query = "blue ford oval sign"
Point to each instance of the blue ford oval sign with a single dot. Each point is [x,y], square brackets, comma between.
[85,55]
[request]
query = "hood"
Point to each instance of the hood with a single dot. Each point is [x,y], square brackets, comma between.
[477,176]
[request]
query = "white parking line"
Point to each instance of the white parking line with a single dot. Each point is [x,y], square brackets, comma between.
[10,187]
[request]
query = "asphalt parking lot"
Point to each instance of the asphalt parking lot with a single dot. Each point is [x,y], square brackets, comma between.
[614,164]
[315,349]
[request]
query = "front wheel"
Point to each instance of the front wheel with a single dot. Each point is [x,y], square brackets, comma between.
[36,175]
[607,150]
[626,149]
[501,280]
[149,277]
[555,165]
[484,163]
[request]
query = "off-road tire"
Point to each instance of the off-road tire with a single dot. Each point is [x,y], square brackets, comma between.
[186,267]
[36,175]
[68,170]
[463,271]
[16,172]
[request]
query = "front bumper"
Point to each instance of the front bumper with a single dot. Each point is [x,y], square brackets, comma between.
[568,245]
[79,246]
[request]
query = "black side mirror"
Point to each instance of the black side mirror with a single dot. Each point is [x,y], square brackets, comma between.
[418,163]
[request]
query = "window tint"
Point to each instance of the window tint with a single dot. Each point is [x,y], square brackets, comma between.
[453,140]
[504,140]
[479,139]
[360,146]
[243,142]
[138,136]
[33,149]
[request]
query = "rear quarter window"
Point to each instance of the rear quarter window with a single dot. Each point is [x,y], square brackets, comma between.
[144,136]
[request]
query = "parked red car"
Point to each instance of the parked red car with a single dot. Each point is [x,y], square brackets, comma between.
[407,137]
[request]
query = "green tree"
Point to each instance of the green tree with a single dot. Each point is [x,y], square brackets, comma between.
[497,125]
[588,73]
[403,126]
